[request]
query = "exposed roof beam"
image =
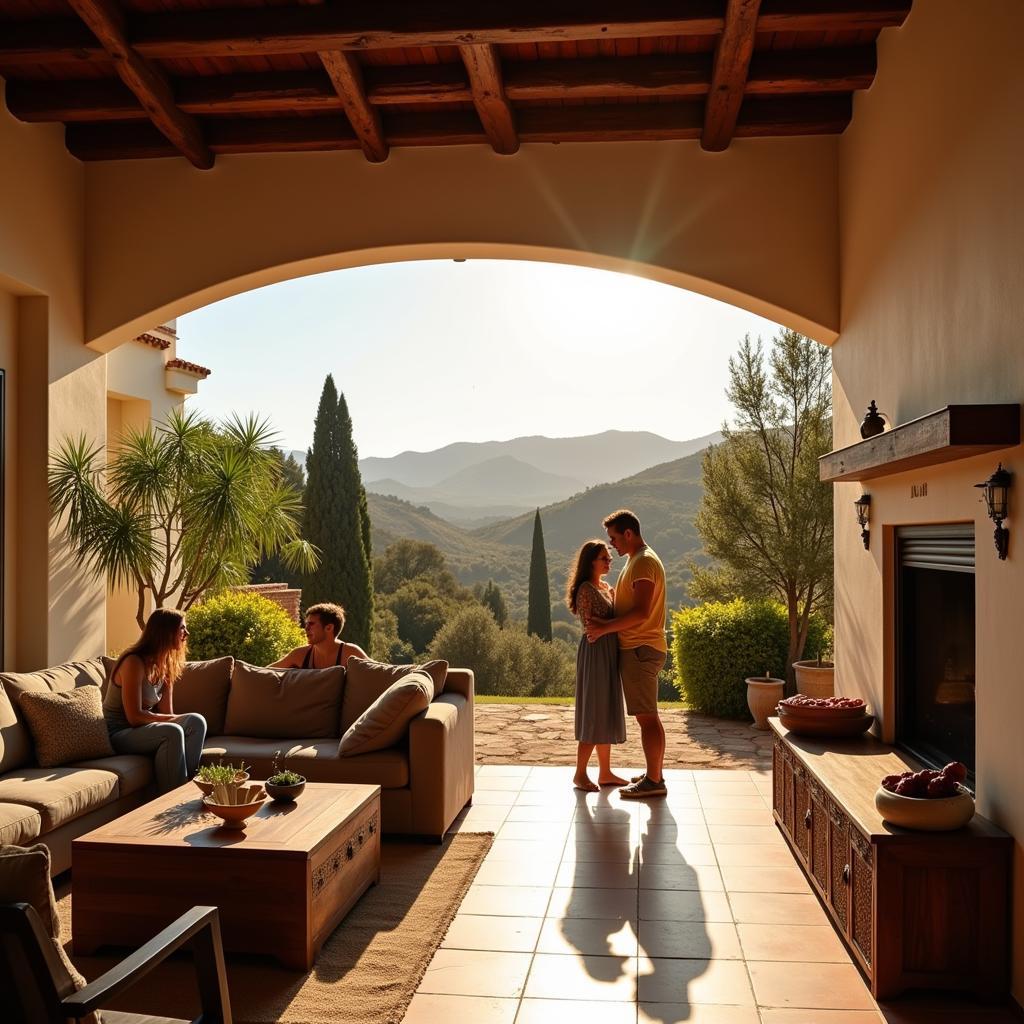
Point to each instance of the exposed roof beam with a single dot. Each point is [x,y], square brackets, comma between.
[148,83]
[729,77]
[773,72]
[484,69]
[347,78]
[391,23]
[621,122]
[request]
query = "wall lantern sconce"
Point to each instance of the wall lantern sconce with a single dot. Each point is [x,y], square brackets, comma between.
[997,500]
[863,507]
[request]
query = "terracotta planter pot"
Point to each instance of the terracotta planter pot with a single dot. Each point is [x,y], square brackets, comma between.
[815,680]
[762,696]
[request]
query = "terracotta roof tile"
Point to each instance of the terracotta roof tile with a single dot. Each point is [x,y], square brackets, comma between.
[184,364]
[151,339]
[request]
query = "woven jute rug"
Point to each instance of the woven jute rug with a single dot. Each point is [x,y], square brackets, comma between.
[367,970]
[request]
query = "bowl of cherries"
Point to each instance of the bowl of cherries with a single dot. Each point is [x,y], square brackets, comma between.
[929,800]
[824,716]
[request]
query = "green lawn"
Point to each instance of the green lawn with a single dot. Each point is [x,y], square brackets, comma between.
[560,701]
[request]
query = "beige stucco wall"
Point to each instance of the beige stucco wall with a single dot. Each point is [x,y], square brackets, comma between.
[932,293]
[755,225]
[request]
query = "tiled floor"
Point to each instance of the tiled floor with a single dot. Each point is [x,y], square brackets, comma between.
[594,909]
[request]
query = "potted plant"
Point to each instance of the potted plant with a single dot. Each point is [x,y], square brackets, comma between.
[210,775]
[763,693]
[284,785]
[815,677]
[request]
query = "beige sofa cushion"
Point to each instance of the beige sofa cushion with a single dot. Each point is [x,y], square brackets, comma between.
[19,825]
[318,760]
[284,703]
[15,742]
[133,771]
[203,688]
[386,721]
[66,725]
[59,794]
[366,680]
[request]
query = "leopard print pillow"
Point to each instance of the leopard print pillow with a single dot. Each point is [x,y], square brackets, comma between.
[66,725]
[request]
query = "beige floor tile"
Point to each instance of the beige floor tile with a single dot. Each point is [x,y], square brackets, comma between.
[738,816]
[692,940]
[806,985]
[603,831]
[703,877]
[569,1011]
[663,814]
[518,771]
[720,775]
[544,813]
[506,900]
[745,834]
[473,972]
[594,937]
[664,905]
[523,850]
[726,786]
[461,825]
[619,904]
[721,982]
[431,1009]
[764,878]
[662,832]
[600,875]
[688,1013]
[491,818]
[500,872]
[800,943]
[499,782]
[597,978]
[607,853]
[499,934]
[685,853]
[779,1015]
[729,800]
[547,798]
[493,798]
[776,908]
[754,854]
[534,831]
[682,798]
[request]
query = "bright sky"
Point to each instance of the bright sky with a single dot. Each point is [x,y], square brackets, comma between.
[432,352]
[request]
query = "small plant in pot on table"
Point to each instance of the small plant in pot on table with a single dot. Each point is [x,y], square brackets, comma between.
[210,775]
[284,785]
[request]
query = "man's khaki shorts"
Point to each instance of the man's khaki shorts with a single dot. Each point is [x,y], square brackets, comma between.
[638,670]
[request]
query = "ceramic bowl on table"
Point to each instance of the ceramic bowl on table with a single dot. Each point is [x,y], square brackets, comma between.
[235,804]
[206,788]
[826,713]
[285,794]
[927,814]
[818,725]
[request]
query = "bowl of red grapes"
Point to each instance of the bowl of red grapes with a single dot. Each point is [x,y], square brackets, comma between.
[824,716]
[931,799]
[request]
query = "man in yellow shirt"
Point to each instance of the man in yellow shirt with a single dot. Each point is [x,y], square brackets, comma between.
[639,621]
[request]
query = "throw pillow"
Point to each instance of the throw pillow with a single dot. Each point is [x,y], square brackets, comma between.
[203,688]
[25,878]
[366,680]
[386,720]
[276,703]
[66,725]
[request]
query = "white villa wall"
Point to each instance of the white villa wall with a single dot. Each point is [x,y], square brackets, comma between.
[932,273]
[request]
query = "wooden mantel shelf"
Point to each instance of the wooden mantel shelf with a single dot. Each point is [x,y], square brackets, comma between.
[954,432]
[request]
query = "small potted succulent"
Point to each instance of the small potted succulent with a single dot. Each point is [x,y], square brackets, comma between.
[210,775]
[284,785]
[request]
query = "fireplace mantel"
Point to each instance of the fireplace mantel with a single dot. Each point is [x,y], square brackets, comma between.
[951,433]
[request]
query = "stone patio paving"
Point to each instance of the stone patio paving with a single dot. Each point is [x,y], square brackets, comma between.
[541,734]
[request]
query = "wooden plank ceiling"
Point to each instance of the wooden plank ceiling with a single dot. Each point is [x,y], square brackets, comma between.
[156,78]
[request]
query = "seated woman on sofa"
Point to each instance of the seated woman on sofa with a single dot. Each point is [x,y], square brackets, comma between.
[323,624]
[139,702]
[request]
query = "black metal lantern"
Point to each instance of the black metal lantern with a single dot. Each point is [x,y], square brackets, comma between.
[997,500]
[863,507]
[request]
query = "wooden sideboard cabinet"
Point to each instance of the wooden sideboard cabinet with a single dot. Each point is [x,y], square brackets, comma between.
[927,910]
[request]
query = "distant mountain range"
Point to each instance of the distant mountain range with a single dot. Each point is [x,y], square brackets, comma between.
[475,483]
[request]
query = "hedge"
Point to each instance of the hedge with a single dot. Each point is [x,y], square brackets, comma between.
[245,625]
[717,645]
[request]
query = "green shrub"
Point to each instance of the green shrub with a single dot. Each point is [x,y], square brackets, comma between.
[245,625]
[716,646]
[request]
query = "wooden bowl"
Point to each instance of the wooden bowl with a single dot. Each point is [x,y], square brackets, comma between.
[829,714]
[234,815]
[207,787]
[284,794]
[938,814]
[817,726]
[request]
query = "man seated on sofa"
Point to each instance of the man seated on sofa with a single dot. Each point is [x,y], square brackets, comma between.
[323,624]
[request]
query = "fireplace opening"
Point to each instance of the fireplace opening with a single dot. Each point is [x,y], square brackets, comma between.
[935,690]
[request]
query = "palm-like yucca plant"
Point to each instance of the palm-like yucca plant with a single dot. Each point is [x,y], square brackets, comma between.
[180,509]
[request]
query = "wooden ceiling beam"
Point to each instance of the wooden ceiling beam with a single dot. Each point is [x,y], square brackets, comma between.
[347,78]
[391,23]
[484,69]
[106,21]
[593,123]
[733,51]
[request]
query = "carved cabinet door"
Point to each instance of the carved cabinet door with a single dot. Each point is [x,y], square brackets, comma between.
[820,864]
[861,894]
[802,819]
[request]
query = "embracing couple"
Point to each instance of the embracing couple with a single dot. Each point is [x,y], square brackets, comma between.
[622,651]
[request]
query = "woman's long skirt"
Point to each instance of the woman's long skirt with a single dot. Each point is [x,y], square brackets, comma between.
[600,716]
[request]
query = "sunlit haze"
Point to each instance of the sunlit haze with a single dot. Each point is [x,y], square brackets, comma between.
[428,353]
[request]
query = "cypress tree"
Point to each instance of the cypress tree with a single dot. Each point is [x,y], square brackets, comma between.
[335,519]
[493,599]
[538,616]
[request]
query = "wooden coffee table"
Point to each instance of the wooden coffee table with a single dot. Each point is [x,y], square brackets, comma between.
[282,885]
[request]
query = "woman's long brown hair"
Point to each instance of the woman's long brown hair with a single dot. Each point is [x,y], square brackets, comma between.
[581,569]
[158,646]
